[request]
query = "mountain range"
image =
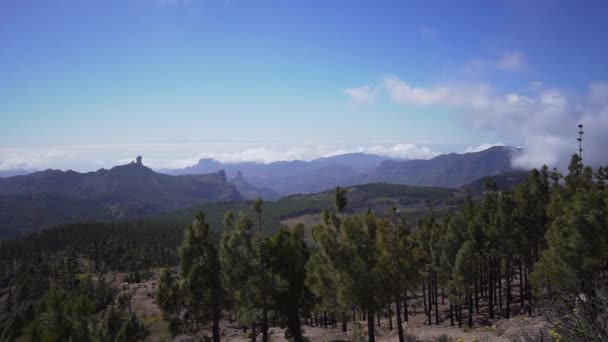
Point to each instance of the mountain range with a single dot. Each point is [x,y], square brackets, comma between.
[132,190]
[291,177]
[44,198]
[447,170]
[297,176]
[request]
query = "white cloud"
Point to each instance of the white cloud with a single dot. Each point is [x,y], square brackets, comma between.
[454,95]
[261,155]
[401,92]
[179,155]
[481,147]
[545,118]
[17,158]
[407,151]
[401,151]
[362,95]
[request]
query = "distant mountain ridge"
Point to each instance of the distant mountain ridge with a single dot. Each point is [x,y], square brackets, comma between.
[124,191]
[14,172]
[290,177]
[257,169]
[447,170]
[251,192]
[51,197]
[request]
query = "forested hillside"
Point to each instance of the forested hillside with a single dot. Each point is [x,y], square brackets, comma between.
[539,248]
[51,197]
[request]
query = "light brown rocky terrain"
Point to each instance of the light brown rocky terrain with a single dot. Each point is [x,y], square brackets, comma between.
[520,328]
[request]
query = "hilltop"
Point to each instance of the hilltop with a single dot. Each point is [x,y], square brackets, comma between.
[447,170]
[50,197]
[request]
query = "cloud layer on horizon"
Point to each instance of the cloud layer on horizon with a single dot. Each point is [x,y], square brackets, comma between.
[544,118]
[180,155]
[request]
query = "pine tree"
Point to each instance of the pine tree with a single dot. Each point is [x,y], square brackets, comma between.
[264,283]
[240,263]
[132,330]
[287,258]
[396,263]
[340,200]
[199,270]
[168,297]
[576,237]
[465,273]
[322,277]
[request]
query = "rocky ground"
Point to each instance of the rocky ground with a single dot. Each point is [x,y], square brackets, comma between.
[519,328]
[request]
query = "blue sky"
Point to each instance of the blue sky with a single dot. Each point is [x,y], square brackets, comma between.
[89,83]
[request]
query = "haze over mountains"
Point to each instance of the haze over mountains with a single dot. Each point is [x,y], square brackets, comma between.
[290,177]
[51,197]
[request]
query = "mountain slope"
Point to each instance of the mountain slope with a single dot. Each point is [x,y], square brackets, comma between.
[504,180]
[447,170]
[29,212]
[251,192]
[289,177]
[14,172]
[131,190]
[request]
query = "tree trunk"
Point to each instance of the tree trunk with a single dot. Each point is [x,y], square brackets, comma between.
[405,310]
[253,333]
[430,312]
[477,286]
[528,294]
[459,315]
[426,308]
[216,325]
[264,325]
[470,300]
[294,327]
[436,301]
[508,270]
[499,279]
[528,290]
[390,317]
[399,322]
[370,326]
[490,290]
[521,283]
[451,314]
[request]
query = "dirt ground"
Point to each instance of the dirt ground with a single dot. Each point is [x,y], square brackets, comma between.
[519,328]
